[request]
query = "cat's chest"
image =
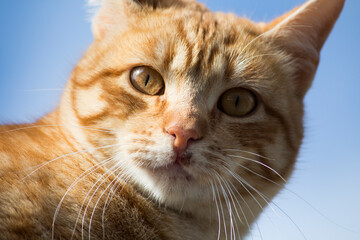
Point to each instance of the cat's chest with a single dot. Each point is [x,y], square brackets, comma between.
[203,223]
[217,220]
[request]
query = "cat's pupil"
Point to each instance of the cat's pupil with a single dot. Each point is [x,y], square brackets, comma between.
[147,80]
[237,101]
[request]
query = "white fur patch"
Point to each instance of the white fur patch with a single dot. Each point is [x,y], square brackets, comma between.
[160,49]
[89,102]
[180,58]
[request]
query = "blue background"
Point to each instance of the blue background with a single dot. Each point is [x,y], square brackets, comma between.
[41,42]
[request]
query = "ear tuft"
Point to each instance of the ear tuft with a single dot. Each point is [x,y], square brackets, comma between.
[94,2]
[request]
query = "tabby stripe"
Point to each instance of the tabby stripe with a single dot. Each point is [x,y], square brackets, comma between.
[112,73]
[214,51]
[196,69]
[230,40]
[272,112]
[286,170]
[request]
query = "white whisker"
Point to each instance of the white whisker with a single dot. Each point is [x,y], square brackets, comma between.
[67,155]
[116,178]
[105,176]
[106,130]
[221,209]
[252,153]
[76,181]
[263,164]
[43,90]
[217,209]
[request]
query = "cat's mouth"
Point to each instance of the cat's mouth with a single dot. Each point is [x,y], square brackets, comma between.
[173,172]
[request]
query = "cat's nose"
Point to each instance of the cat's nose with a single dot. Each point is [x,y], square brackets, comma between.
[182,136]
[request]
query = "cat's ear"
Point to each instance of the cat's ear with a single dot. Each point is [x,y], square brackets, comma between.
[119,13]
[302,33]
[109,13]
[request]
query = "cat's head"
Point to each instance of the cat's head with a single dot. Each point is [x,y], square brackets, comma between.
[184,101]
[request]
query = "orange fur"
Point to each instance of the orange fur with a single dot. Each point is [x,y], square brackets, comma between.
[102,163]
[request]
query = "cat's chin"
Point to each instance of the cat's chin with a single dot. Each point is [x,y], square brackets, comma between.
[174,173]
[171,184]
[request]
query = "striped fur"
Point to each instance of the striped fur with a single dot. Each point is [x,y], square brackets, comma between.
[99,164]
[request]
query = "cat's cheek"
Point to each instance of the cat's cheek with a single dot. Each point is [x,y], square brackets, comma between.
[89,107]
[146,151]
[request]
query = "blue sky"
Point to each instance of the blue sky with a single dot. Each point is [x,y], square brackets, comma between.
[41,41]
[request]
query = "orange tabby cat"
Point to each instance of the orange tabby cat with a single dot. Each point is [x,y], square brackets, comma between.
[178,123]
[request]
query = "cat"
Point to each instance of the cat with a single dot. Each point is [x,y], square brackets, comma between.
[178,123]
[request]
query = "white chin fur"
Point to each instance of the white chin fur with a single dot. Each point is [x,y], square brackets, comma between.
[171,195]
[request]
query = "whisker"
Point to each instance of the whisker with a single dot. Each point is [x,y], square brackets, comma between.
[267,201]
[114,189]
[43,90]
[82,205]
[319,212]
[259,175]
[67,155]
[239,180]
[263,164]
[250,43]
[233,226]
[243,213]
[104,176]
[76,181]
[252,153]
[221,208]
[98,200]
[260,55]
[228,206]
[107,130]
[293,222]
[116,178]
[217,209]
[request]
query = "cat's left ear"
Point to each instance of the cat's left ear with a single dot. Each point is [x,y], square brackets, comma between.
[111,13]
[302,33]
[121,13]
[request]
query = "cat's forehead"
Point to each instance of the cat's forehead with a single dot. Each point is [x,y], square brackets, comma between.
[202,46]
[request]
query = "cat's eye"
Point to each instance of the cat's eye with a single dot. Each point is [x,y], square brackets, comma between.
[147,80]
[237,102]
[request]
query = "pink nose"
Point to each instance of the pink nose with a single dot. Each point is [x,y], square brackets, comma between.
[182,136]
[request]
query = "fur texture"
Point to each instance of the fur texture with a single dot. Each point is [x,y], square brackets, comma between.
[114,163]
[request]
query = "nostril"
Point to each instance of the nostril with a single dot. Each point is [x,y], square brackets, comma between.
[171,132]
[182,136]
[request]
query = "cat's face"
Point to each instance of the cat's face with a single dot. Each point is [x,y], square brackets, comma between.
[190,100]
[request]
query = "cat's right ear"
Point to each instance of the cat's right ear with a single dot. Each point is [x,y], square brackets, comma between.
[302,33]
